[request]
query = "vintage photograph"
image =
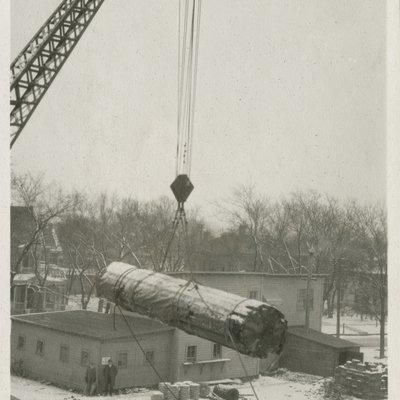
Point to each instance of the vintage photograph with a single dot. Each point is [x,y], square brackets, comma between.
[198,200]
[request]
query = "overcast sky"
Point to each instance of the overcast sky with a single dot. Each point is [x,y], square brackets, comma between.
[290,96]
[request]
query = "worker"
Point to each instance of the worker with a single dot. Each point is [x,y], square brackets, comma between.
[90,379]
[109,372]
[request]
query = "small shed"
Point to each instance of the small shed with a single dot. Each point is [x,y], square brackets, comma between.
[316,353]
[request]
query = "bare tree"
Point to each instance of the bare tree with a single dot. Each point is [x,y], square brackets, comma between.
[369,227]
[248,208]
[45,205]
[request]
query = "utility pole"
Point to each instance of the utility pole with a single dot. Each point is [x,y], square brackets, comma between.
[309,275]
[338,294]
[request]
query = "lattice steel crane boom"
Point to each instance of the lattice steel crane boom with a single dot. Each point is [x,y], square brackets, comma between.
[36,66]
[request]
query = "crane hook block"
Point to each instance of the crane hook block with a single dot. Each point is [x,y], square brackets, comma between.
[181,188]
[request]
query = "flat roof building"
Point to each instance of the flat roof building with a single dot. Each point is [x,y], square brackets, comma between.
[57,346]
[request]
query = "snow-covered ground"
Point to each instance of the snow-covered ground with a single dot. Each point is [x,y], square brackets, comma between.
[25,389]
[371,354]
[283,386]
[364,332]
[350,325]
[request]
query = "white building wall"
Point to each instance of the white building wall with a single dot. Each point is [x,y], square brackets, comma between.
[206,368]
[48,366]
[279,291]
[138,372]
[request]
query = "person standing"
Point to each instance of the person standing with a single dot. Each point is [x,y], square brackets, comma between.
[90,379]
[109,372]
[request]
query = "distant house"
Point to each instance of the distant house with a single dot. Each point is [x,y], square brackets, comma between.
[40,264]
[58,346]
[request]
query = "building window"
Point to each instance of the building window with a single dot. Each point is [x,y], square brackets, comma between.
[149,358]
[21,343]
[40,347]
[301,299]
[191,353]
[217,351]
[122,360]
[30,298]
[53,258]
[25,262]
[20,292]
[84,358]
[253,294]
[64,353]
[50,299]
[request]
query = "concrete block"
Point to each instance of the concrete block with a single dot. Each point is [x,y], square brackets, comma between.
[157,395]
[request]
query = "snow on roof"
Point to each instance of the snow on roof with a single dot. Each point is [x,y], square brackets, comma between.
[92,324]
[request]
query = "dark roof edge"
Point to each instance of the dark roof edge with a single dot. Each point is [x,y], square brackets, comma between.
[102,338]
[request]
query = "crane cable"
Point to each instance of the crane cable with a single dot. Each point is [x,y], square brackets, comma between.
[188,51]
[144,352]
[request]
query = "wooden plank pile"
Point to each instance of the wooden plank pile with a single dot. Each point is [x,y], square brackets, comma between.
[249,326]
[180,390]
[364,380]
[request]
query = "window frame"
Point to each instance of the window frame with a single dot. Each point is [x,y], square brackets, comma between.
[21,348]
[191,358]
[118,360]
[41,354]
[252,292]
[214,355]
[81,363]
[301,299]
[64,347]
[146,363]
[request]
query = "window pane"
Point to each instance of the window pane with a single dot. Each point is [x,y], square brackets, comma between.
[84,358]
[20,293]
[149,358]
[217,350]
[122,361]
[25,262]
[253,294]
[301,299]
[191,353]
[21,343]
[39,347]
[64,353]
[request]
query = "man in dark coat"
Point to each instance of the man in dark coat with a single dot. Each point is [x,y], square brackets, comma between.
[90,379]
[110,372]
